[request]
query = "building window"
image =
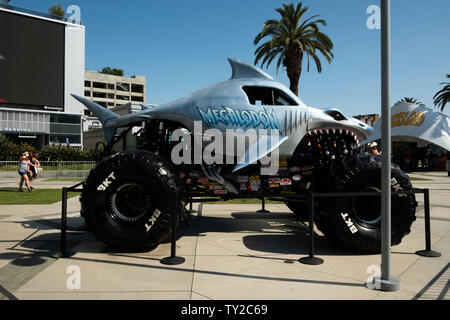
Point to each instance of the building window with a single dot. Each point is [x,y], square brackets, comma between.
[103,104]
[111,86]
[87,83]
[65,118]
[123,98]
[137,88]
[123,86]
[99,85]
[64,139]
[99,95]
[137,99]
[62,128]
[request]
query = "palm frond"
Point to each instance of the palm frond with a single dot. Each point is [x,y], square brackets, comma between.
[442,97]
[290,38]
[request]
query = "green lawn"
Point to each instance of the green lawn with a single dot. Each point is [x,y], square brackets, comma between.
[38,196]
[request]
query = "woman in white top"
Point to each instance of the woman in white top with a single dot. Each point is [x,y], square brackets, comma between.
[23,171]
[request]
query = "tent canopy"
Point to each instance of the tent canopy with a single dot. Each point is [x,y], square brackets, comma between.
[413,121]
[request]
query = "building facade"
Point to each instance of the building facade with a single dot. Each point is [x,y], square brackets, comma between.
[111,91]
[96,134]
[41,65]
[370,119]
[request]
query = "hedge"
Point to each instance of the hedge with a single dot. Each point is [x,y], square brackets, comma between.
[65,153]
[10,151]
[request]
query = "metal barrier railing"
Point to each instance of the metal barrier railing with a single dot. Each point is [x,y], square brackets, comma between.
[311,259]
[51,169]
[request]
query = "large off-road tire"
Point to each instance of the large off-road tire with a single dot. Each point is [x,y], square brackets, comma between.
[128,200]
[355,222]
[300,209]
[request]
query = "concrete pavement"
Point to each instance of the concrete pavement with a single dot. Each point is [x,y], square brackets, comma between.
[231,252]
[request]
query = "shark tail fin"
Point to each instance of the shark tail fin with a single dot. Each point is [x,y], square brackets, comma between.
[102,113]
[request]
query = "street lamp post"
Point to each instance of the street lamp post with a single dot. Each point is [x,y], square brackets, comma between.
[385,282]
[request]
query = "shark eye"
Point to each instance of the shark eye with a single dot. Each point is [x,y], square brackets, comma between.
[336,115]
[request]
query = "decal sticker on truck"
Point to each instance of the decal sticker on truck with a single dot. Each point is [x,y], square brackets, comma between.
[241,118]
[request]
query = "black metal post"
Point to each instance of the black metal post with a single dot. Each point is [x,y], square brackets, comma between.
[263,210]
[427,252]
[173,259]
[190,207]
[64,221]
[447,163]
[311,260]
[63,253]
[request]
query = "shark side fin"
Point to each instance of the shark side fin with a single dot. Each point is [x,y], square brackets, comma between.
[241,70]
[264,145]
[103,114]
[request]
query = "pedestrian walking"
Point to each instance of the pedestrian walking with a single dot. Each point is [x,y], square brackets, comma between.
[34,160]
[24,164]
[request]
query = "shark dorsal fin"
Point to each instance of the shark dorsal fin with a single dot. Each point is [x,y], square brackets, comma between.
[244,70]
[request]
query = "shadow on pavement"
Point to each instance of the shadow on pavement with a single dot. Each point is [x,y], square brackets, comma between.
[275,233]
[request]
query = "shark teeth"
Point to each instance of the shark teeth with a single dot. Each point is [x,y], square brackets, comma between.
[346,132]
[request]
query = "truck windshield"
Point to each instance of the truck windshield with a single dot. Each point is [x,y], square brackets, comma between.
[267,96]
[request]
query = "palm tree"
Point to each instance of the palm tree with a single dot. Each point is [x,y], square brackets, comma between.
[410,100]
[290,38]
[443,96]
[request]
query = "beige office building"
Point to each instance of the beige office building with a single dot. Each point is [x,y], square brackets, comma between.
[111,91]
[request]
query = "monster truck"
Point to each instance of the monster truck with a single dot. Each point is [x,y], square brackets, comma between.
[130,195]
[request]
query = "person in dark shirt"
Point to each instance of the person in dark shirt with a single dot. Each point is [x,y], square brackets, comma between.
[36,165]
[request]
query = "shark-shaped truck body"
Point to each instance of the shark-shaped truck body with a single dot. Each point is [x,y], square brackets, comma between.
[187,149]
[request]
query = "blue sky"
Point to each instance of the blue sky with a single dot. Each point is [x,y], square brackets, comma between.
[182,46]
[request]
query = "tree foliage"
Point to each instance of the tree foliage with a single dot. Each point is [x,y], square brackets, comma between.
[11,151]
[291,38]
[410,100]
[442,97]
[57,10]
[114,71]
